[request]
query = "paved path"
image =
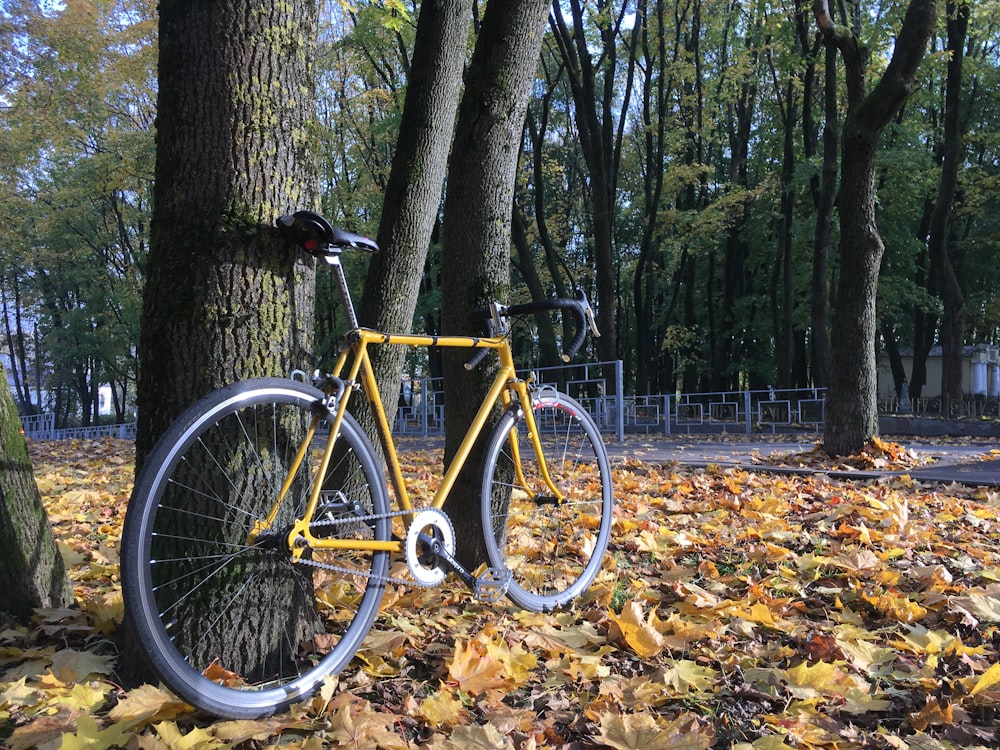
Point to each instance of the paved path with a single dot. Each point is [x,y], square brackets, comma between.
[972,463]
[968,462]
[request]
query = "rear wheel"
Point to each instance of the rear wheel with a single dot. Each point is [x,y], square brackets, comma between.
[553,544]
[225,616]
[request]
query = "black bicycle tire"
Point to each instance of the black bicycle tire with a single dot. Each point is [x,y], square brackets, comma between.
[151,636]
[516,592]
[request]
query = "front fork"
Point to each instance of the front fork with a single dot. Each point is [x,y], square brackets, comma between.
[524,392]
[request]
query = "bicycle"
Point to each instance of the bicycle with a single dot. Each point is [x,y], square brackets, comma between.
[267,497]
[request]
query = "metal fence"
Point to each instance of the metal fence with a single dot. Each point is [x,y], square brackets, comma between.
[421,410]
[742,412]
[42,427]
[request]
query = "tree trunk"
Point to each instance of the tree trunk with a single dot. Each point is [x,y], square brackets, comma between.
[852,409]
[226,298]
[413,194]
[895,359]
[648,265]
[476,238]
[820,310]
[942,268]
[32,573]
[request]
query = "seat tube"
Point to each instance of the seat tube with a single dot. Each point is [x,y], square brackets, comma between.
[345,293]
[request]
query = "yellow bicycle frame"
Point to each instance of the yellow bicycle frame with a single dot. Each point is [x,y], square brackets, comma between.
[504,384]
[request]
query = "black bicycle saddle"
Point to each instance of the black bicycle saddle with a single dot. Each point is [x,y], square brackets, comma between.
[319,237]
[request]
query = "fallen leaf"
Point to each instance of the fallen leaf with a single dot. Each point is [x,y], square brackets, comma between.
[644,732]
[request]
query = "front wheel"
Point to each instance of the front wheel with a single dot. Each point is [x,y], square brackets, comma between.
[553,542]
[227,618]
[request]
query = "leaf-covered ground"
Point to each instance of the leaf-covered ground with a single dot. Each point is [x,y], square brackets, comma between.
[736,609]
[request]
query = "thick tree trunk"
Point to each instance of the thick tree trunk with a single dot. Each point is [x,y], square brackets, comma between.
[852,410]
[476,238]
[226,298]
[32,573]
[413,194]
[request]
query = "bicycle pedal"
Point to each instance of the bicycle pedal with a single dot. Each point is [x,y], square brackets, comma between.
[491,585]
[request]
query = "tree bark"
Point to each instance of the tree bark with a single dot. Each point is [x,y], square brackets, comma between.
[413,193]
[852,409]
[225,298]
[476,239]
[32,573]
[942,268]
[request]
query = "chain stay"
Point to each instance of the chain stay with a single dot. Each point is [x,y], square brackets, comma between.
[366,574]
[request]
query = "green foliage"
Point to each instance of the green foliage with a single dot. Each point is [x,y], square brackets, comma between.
[76,181]
[706,187]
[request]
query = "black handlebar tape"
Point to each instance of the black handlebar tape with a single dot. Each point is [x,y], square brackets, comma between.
[575,307]
[480,355]
[559,303]
[476,359]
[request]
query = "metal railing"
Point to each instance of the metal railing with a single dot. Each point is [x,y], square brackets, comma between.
[42,427]
[421,411]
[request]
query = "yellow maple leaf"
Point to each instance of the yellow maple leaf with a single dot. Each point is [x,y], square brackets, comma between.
[89,736]
[896,606]
[474,671]
[685,675]
[586,667]
[864,655]
[198,738]
[519,664]
[644,732]
[759,613]
[920,640]
[358,726]
[236,732]
[443,709]
[18,694]
[986,680]
[82,696]
[640,632]
[147,704]
[475,737]
[806,681]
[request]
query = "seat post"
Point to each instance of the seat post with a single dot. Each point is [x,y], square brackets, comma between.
[345,294]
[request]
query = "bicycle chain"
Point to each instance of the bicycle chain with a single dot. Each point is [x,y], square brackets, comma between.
[355,572]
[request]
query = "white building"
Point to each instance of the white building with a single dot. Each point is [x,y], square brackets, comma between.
[980,372]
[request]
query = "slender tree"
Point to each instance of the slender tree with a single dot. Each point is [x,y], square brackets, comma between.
[593,86]
[413,192]
[852,411]
[941,265]
[476,242]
